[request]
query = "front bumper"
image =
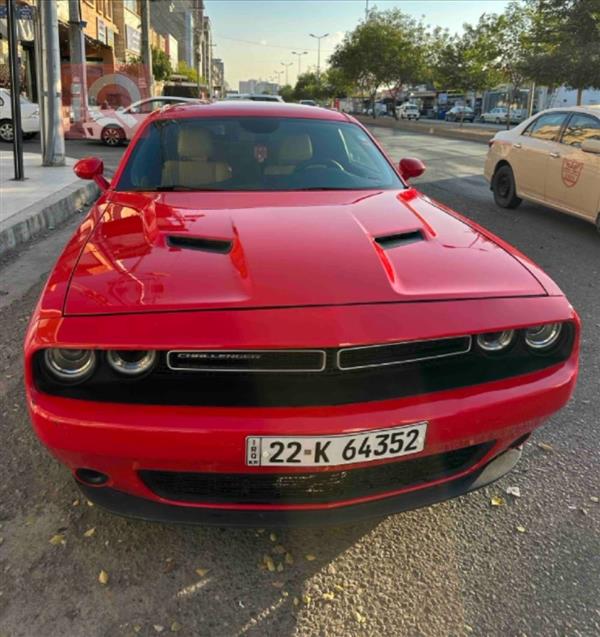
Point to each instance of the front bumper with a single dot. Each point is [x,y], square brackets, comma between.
[128,505]
[121,440]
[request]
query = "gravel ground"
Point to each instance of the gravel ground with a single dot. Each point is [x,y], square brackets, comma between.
[529,567]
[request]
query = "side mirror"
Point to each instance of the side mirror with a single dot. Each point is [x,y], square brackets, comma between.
[591,146]
[91,168]
[410,167]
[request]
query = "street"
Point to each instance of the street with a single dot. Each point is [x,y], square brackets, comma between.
[529,567]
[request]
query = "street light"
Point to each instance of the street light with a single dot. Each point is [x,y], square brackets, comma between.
[287,66]
[299,58]
[318,38]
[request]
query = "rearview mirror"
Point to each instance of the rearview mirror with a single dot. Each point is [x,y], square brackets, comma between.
[591,146]
[411,167]
[91,168]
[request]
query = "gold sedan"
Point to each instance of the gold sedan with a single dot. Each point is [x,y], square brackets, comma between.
[552,159]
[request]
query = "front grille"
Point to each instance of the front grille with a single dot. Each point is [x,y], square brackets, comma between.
[247,360]
[310,488]
[396,353]
[372,375]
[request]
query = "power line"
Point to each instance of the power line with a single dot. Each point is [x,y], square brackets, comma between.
[271,46]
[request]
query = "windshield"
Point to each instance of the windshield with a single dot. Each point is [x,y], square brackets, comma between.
[256,153]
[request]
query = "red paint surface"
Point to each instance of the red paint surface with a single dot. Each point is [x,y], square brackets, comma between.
[304,272]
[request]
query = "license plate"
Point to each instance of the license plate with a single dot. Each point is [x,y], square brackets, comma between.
[320,451]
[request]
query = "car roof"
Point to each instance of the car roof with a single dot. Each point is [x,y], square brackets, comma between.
[240,108]
[590,109]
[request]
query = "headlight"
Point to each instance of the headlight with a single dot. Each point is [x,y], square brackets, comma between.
[495,341]
[131,362]
[70,365]
[543,336]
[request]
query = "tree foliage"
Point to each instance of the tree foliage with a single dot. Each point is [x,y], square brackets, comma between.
[550,42]
[387,49]
[187,71]
[564,43]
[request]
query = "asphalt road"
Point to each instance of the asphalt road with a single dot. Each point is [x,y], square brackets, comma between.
[457,568]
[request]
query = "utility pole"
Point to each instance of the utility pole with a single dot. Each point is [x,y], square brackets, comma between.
[15,91]
[318,38]
[79,94]
[52,134]
[287,66]
[366,10]
[299,58]
[146,50]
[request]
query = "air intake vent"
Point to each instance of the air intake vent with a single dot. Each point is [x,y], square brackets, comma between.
[221,246]
[399,239]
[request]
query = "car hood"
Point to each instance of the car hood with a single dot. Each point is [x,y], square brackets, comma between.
[184,250]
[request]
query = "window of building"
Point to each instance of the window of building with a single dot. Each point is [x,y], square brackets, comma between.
[133,5]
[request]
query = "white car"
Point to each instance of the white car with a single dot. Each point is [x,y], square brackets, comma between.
[408,111]
[553,159]
[114,127]
[30,117]
[497,115]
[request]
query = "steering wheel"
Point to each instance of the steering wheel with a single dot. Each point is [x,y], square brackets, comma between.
[310,164]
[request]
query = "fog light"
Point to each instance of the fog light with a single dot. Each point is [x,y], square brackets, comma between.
[70,365]
[91,476]
[495,341]
[131,362]
[543,336]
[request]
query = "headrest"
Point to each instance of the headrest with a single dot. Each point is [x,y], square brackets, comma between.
[295,148]
[195,143]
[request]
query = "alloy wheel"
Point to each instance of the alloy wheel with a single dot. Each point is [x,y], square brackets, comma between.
[6,132]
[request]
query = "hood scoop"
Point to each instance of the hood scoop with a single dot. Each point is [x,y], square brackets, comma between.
[204,244]
[389,241]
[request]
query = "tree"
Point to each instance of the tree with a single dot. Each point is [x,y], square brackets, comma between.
[357,58]
[287,93]
[161,64]
[564,43]
[187,71]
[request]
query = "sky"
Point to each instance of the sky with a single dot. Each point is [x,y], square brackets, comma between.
[253,37]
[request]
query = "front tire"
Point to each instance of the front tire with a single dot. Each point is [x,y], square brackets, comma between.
[112,135]
[7,132]
[504,188]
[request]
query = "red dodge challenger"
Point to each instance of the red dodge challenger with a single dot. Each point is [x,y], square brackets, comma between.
[260,322]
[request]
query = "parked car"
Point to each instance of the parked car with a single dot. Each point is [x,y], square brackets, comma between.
[497,115]
[308,102]
[408,111]
[30,117]
[460,114]
[518,115]
[553,159]
[188,360]
[115,127]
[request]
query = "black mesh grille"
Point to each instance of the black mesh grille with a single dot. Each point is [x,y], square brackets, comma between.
[309,488]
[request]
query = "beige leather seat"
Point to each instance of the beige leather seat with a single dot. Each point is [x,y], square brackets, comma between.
[194,167]
[292,151]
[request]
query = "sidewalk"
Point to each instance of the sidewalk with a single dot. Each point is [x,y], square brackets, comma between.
[467,132]
[47,197]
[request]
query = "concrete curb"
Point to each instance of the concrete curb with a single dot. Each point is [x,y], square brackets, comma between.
[431,127]
[45,214]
